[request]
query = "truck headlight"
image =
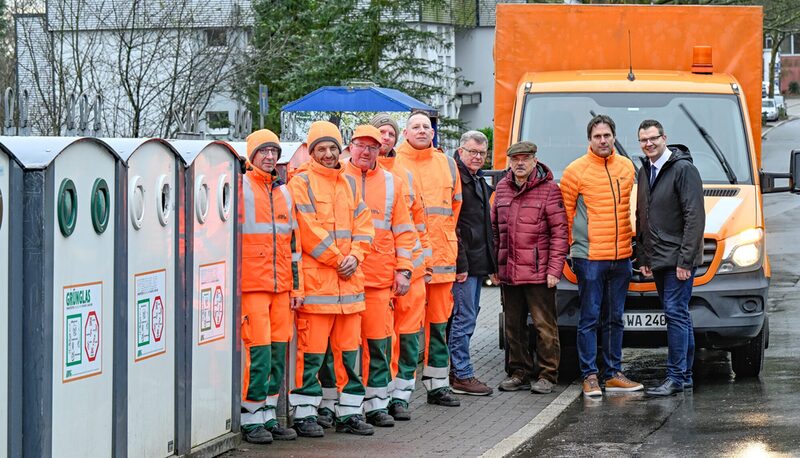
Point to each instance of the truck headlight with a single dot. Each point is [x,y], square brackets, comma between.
[742,251]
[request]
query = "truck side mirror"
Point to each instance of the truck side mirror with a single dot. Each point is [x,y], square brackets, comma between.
[794,172]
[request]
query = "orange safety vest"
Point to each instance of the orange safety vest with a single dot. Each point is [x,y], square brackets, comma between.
[421,254]
[271,255]
[440,183]
[334,223]
[394,234]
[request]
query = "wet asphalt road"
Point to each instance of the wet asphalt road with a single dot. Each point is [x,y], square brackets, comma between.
[723,415]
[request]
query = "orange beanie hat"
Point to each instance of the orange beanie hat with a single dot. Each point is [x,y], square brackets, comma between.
[260,139]
[321,131]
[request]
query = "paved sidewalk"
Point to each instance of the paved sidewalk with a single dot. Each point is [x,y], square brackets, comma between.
[467,431]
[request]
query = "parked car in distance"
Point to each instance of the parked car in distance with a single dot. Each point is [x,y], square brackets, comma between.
[769,110]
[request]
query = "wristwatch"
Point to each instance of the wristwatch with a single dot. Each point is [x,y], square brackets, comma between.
[405,273]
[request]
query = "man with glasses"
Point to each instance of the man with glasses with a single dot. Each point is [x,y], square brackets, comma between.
[475,261]
[529,228]
[271,287]
[388,266]
[597,190]
[670,219]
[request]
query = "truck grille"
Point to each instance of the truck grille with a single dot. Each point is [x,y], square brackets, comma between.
[709,250]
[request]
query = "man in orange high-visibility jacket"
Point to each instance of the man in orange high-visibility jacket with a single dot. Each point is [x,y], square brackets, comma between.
[271,286]
[438,177]
[336,229]
[388,266]
[409,309]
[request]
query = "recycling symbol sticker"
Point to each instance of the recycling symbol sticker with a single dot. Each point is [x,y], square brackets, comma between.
[218,307]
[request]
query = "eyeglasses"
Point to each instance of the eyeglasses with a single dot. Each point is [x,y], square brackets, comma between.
[361,146]
[269,150]
[653,139]
[475,152]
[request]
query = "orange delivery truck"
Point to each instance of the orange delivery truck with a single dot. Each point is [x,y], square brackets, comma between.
[696,69]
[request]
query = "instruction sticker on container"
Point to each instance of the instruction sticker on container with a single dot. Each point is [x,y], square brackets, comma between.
[83,315]
[212,302]
[150,310]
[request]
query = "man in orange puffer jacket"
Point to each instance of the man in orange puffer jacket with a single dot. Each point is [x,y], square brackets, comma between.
[271,286]
[597,198]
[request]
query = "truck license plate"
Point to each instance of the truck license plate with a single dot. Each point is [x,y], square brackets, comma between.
[644,321]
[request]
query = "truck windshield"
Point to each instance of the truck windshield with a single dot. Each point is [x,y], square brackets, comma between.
[557,124]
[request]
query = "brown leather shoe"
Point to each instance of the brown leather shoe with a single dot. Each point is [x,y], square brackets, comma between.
[591,387]
[621,383]
[471,386]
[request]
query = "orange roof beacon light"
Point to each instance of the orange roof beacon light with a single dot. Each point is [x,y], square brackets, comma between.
[701,60]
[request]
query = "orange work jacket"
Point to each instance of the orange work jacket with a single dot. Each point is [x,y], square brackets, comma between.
[271,254]
[394,233]
[440,184]
[421,254]
[334,223]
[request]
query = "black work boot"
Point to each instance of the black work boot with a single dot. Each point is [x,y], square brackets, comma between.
[325,417]
[355,424]
[380,419]
[443,397]
[279,433]
[257,435]
[399,411]
[308,427]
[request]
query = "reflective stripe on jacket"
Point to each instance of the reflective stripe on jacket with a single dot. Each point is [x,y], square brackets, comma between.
[394,234]
[440,185]
[334,223]
[271,254]
[421,254]
[597,198]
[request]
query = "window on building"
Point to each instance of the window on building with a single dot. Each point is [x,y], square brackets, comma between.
[796,40]
[786,46]
[216,37]
[217,120]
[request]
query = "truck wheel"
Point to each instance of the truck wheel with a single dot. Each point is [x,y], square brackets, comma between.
[748,360]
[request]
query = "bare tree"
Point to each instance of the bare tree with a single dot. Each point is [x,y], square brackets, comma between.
[146,58]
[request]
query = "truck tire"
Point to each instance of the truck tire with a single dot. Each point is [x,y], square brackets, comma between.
[748,360]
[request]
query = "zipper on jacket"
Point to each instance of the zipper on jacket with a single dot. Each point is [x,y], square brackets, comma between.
[364,186]
[274,241]
[616,218]
[619,192]
[536,257]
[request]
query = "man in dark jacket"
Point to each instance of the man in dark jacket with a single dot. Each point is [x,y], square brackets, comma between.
[670,220]
[529,231]
[475,261]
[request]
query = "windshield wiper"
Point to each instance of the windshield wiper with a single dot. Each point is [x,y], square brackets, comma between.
[620,148]
[713,145]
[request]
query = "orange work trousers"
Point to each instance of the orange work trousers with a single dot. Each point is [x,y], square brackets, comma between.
[409,314]
[377,328]
[266,332]
[437,355]
[315,332]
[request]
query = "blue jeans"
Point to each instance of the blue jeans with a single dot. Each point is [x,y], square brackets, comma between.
[466,305]
[602,288]
[675,295]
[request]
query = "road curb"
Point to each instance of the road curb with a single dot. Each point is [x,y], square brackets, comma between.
[764,133]
[511,443]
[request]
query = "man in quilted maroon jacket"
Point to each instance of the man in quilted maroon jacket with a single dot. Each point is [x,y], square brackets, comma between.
[529,229]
